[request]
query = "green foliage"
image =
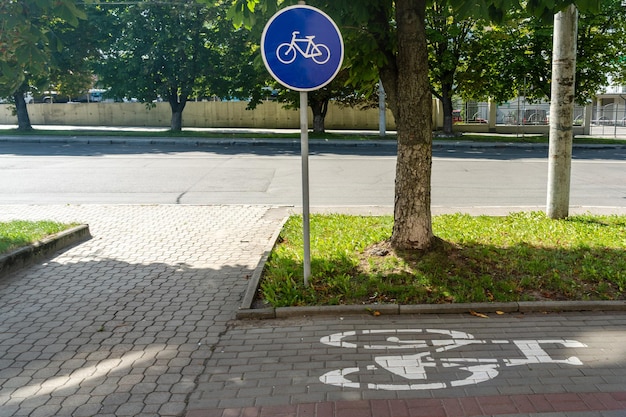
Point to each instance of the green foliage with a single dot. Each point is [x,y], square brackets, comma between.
[514,57]
[77,49]
[336,239]
[27,41]
[176,50]
[523,256]
[469,55]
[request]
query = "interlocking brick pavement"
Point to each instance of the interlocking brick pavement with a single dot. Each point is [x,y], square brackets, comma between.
[138,321]
[122,324]
[557,365]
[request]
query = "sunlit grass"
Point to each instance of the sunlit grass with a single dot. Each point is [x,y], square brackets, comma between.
[523,256]
[15,234]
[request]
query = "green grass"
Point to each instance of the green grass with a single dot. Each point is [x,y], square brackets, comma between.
[194,134]
[521,257]
[475,137]
[18,233]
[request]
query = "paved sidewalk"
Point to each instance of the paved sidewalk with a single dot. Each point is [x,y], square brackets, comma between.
[122,325]
[139,321]
[552,365]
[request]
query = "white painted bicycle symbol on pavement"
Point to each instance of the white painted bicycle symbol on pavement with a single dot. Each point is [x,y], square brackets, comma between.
[432,367]
[287,52]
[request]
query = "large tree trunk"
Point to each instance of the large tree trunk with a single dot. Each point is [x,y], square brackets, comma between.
[412,227]
[177,104]
[319,109]
[23,120]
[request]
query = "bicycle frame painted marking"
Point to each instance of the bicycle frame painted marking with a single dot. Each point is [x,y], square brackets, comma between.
[413,369]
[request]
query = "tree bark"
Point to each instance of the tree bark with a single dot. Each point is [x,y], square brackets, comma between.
[319,109]
[177,104]
[413,111]
[23,120]
[446,102]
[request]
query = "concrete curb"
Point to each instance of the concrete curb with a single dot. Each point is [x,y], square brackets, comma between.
[44,248]
[255,279]
[395,309]
[200,142]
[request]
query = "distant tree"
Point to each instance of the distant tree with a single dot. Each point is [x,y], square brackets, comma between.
[514,58]
[72,75]
[173,51]
[27,45]
[337,91]
[449,38]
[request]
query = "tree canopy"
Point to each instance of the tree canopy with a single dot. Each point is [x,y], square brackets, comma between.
[174,51]
[27,44]
[387,40]
[514,57]
[26,38]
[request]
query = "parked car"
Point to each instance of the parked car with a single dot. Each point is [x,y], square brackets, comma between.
[50,97]
[94,95]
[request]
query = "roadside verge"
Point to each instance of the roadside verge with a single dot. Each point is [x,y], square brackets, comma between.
[45,248]
[250,308]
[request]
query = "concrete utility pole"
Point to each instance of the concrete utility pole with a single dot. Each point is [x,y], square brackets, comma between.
[562,112]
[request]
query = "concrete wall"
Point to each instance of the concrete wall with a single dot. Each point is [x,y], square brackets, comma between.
[270,115]
[197,114]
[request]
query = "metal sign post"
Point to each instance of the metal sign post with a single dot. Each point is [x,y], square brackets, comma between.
[302,49]
[304,150]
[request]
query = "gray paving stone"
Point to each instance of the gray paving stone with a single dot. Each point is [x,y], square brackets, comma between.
[297,381]
[87,410]
[130,409]
[45,411]
[130,295]
[144,311]
[172,408]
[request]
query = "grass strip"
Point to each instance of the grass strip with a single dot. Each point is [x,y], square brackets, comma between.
[195,134]
[18,233]
[520,257]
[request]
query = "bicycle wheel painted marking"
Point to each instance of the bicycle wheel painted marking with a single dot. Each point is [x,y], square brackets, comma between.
[427,364]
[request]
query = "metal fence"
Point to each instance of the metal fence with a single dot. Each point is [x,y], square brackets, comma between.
[516,112]
[609,119]
[520,112]
[606,119]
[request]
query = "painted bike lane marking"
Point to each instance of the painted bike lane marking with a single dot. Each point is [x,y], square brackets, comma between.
[427,366]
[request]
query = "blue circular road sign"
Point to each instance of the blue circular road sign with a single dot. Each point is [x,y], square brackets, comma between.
[302,48]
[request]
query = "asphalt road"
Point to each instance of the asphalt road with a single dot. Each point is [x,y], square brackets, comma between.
[463,176]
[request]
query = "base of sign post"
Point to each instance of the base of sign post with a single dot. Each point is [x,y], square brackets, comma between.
[304,145]
[302,70]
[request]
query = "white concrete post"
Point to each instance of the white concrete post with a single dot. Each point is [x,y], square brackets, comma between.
[562,112]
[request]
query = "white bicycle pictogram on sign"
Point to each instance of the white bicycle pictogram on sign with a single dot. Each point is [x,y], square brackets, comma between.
[287,52]
[431,367]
